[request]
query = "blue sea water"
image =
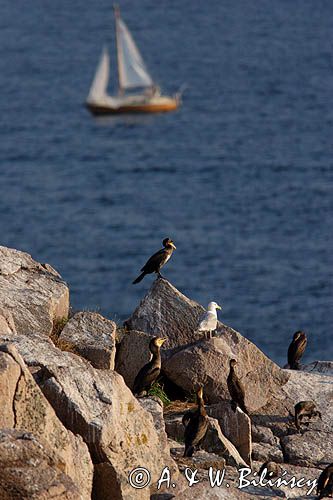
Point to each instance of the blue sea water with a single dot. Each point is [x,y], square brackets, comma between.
[240,177]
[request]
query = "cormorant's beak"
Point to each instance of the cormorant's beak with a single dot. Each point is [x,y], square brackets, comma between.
[173,245]
[161,341]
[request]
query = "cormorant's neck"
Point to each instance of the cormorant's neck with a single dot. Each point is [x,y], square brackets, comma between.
[168,248]
[156,356]
[201,407]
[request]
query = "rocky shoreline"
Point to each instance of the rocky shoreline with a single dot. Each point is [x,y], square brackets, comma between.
[70,427]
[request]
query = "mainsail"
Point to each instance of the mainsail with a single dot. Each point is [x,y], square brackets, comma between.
[98,88]
[132,70]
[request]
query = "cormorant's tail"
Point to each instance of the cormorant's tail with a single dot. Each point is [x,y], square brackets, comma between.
[139,278]
[188,451]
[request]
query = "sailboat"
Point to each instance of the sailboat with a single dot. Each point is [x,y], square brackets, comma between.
[137,92]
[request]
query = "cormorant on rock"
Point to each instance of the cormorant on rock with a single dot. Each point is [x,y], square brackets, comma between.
[296,350]
[208,320]
[305,409]
[157,261]
[236,388]
[149,372]
[196,425]
[325,482]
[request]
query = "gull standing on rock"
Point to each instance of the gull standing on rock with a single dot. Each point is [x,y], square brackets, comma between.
[157,261]
[208,321]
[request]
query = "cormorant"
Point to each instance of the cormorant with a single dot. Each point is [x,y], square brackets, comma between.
[208,320]
[149,372]
[157,261]
[325,482]
[305,409]
[196,425]
[236,388]
[296,350]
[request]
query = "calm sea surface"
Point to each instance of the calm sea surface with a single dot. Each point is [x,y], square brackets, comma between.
[240,177]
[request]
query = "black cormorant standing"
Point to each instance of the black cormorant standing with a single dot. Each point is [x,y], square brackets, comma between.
[236,388]
[196,425]
[149,372]
[157,261]
[325,482]
[296,350]
[305,409]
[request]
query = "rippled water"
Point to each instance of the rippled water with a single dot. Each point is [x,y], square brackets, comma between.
[240,177]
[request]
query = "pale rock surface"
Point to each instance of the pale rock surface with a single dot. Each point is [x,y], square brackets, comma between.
[31,470]
[92,337]
[32,296]
[324,367]
[97,405]
[262,452]
[262,435]
[313,445]
[23,406]
[308,449]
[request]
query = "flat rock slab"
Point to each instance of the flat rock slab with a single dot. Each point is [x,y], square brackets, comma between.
[92,337]
[216,442]
[99,406]
[30,469]
[166,312]
[23,406]
[33,295]
[236,426]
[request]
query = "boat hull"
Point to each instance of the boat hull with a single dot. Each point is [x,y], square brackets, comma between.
[100,109]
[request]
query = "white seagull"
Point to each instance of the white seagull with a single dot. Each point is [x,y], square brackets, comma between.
[208,321]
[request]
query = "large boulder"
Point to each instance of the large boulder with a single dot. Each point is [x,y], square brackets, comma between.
[91,336]
[97,405]
[167,313]
[32,470]
[23,406]
[32,294]
[206,362]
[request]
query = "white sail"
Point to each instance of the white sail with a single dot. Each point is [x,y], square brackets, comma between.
[132,70]
[97,91]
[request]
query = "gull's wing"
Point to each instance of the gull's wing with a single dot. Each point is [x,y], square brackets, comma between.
[207,322]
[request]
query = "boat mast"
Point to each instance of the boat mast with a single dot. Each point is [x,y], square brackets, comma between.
[116,17]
